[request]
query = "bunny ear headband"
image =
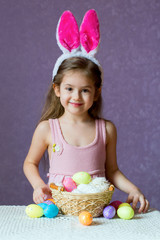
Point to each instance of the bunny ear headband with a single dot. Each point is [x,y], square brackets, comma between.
[69,38]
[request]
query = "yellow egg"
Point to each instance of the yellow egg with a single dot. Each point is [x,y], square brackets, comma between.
[81,178]
[124,204]
[34,211]
[125,212]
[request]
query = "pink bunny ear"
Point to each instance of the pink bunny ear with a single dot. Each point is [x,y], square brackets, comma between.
[67,32]
[89,32]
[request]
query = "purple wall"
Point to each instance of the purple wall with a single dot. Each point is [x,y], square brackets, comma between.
[130,56]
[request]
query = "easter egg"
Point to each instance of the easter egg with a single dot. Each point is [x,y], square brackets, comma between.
[125,212]
[85,218]
[42,205]
[82,178]
[109,212]
[49,201]
[115,204]
[51,211]
[124,204]
[34,211]
[69,184]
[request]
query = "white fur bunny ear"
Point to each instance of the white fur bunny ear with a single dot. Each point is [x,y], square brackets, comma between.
[68,33]
[89,33]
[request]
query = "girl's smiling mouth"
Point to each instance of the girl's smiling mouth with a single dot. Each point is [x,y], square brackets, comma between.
[75,104]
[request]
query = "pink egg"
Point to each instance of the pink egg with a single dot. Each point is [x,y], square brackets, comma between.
[115,204]
[69,184]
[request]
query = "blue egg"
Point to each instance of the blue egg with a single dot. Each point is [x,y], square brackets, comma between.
[51,211]
[43,205]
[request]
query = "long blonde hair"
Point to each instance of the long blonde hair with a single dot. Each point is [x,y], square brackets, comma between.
[53,108]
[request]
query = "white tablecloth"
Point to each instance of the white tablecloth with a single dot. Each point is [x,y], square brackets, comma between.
[16,225]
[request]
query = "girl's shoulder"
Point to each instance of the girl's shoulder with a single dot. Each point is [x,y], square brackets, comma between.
[43,129]
[111,130]
[43,126]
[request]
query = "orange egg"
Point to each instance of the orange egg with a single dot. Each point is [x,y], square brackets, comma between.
[51,199]
[85,218]
[111,188]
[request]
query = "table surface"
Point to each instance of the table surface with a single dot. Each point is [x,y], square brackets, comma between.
[16,225]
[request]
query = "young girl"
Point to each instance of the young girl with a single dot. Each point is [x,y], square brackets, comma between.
[71,129]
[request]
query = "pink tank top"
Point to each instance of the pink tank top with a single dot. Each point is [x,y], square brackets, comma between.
[67,159]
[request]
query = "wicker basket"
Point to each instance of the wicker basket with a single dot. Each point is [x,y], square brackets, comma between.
[74,203]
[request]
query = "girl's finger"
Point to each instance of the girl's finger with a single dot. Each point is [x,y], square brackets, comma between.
[45,197]
[46,190]
[135,201]
[35,199]
[142,204]
[146,207]
[42,198]
[129,199]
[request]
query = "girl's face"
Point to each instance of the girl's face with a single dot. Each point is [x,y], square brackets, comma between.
[76,92]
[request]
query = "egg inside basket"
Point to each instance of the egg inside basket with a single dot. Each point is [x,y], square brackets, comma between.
[72,203]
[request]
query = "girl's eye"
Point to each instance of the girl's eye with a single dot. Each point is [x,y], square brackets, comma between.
[69,89]
[85,90]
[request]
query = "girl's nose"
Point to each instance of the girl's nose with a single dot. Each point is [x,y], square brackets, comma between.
[76,95]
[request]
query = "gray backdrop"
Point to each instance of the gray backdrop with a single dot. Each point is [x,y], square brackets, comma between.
[130,55]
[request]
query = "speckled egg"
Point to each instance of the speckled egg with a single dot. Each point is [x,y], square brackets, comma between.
[49,201]
[69,184]
[42,205]
[109,212]
[51,211]
[85,218]
[34,211]
[82,178]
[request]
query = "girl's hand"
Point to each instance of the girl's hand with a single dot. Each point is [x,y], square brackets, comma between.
[136,196]
[41,194]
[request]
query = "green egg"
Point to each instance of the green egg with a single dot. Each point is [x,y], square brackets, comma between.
[34,211]
[81,178]
[124,204]
[125,212]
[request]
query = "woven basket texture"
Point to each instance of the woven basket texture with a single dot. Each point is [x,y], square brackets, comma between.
[74,203]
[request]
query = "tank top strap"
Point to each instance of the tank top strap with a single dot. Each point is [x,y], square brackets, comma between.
[54,130]
[102,129]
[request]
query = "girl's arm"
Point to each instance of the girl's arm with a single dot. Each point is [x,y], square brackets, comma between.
[38,146]
[114,175]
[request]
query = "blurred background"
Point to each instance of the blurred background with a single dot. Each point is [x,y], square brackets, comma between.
[130,56]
